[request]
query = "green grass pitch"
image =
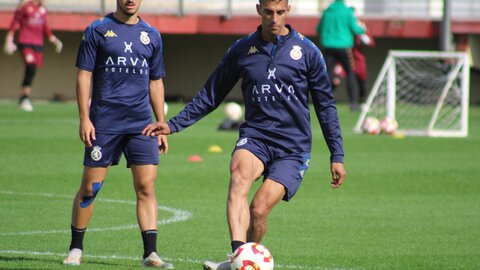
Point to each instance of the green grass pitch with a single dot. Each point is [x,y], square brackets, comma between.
[411,203]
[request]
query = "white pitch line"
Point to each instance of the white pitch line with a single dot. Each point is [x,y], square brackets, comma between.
[178,215]
[108,257]
[133,258]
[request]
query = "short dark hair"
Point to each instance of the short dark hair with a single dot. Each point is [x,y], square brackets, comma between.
[263,1]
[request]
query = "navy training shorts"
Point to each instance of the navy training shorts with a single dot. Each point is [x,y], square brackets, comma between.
[285,168]
[108,148]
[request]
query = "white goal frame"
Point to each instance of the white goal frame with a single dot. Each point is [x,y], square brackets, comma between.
[388,78]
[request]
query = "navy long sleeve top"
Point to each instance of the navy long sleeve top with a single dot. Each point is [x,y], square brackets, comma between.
[276,79]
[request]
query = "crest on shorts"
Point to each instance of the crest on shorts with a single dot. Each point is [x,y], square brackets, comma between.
[96,153]
[144,38]
[242,141]
[296,52]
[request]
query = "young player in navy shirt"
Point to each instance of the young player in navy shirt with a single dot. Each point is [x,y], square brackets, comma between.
[279,68]
[121,55]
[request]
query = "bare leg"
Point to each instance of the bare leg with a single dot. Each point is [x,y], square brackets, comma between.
[26,90]
[144,182]
[269,195]
[244,169]
[81,216]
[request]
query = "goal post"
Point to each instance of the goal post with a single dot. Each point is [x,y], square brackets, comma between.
[426,92]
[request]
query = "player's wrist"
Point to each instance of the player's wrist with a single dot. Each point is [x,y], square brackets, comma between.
[172,127]
[84,117]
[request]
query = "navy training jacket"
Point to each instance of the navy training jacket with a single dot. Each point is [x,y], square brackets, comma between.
[277,78]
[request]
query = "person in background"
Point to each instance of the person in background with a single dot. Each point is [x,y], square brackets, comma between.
[30,19]
[360,64]
[361,42]
[337,29]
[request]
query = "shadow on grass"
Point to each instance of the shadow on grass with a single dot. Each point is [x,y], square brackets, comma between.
[26,263]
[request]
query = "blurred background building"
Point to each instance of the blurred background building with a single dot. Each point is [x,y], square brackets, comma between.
[197,33]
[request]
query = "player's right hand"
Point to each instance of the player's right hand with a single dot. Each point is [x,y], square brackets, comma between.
[9,47]
[87,132]
[338,174]
[155,129]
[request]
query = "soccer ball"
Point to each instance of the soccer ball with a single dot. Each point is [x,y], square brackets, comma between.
[233,111]
[252,256]
[371,125]
[388,125]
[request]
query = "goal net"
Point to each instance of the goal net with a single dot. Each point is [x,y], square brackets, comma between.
[425,92]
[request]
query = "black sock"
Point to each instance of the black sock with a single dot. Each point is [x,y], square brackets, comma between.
[236,244]
[77,237]
[149,238]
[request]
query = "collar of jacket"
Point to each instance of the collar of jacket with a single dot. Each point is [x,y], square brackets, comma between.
[279,39]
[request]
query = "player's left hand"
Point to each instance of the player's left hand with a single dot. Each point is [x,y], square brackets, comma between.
[58,44]
[338,174]
[155,129]
[162,144]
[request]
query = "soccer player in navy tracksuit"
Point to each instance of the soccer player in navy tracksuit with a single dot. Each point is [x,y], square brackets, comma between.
[122,56]
[279,68]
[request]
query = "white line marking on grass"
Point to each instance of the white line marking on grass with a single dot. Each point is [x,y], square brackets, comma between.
[107,257]
[133,258]
[178,214]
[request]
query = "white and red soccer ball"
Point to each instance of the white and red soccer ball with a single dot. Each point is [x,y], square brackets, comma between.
[233,111]
[388,125]
[252,256]
[371,125]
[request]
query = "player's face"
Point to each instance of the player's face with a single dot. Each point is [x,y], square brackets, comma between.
[274,15]
[128,7]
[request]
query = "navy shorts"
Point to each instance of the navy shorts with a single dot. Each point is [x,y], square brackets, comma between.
[285,168]
[108,148]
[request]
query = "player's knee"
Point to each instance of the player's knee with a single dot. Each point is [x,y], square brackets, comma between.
[145,192]
[145,188]
[239,179]
[238,188]
[259,211]
[90,194]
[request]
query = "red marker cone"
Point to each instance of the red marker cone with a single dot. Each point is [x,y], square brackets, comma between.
[194,158]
